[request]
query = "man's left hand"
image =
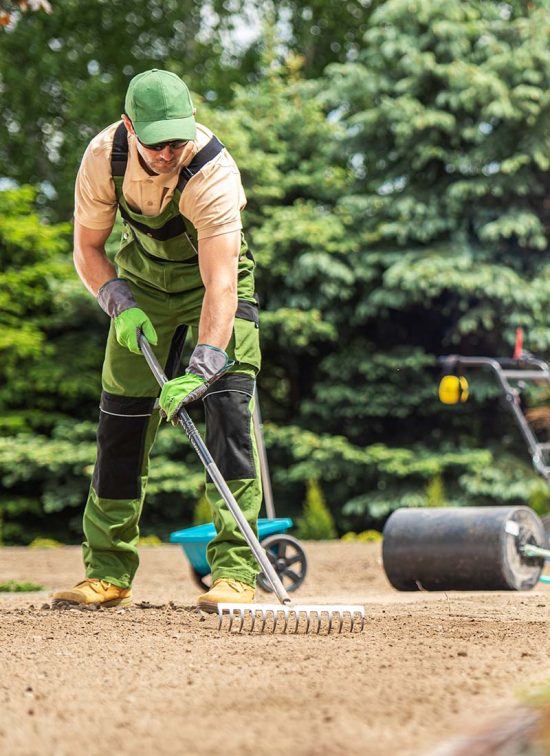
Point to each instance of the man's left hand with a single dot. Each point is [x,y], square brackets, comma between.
[180,391]
[206,365]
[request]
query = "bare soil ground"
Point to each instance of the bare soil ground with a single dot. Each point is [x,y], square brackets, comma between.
[164,680]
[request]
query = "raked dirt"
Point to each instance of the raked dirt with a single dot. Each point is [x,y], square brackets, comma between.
[164,680]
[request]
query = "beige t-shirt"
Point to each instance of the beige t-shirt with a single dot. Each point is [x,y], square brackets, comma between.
[212,200]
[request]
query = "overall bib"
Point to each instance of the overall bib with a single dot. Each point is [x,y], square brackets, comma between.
[158,257]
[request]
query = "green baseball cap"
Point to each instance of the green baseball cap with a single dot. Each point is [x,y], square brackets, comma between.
[159,105]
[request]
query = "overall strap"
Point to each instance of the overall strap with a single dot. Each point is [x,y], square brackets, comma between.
[204,156]
[119,153]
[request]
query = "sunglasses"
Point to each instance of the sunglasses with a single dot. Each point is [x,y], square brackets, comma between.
[174,144]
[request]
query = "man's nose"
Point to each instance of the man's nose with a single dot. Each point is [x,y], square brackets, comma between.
[167,153]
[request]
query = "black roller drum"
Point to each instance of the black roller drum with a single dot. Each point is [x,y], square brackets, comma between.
[462,549]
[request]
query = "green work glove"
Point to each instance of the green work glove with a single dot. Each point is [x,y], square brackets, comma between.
[117,299]
[206,365]
[127,325]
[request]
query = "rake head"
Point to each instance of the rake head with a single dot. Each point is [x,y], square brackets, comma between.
[297,619]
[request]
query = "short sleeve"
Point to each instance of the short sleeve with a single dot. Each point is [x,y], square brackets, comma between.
[214,198]
[95,196]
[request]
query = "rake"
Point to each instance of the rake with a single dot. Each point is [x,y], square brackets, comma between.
[284,617]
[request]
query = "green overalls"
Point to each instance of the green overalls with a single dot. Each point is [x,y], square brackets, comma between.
[158,257]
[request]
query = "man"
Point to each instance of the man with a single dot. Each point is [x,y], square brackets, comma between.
[182,264]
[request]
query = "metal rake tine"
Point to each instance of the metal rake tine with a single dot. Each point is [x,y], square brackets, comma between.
[334,617]
[242,613]
[297,619]
[298,612]
[336,614]
[344,619]
[319,616]
[358,615]
[287,617]
[225,612]
[234,612]
[314,616]
[277,616]
[290,613]
[330,615]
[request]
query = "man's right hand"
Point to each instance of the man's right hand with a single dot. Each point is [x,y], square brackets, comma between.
[115,297]
[127,325]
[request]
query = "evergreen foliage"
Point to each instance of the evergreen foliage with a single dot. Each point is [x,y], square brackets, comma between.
[447,115]
[202,513]
[397,210]
[435,492]
[316,522]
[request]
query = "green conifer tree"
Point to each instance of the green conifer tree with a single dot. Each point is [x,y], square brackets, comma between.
[316,523]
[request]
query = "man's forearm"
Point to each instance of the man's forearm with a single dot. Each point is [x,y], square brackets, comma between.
[94,268]
[218,261]
[91,262]
[217,316]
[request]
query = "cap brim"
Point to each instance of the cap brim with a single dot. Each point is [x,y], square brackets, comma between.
[153,132]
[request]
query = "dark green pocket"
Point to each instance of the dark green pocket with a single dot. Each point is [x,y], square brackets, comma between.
[246,335]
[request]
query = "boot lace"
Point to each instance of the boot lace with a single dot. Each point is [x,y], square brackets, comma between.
[95,584]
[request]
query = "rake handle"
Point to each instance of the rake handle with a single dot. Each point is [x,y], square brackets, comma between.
[216,477]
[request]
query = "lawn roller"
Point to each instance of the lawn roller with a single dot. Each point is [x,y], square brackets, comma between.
[284,551]
[464,548]
[475,548]
[295,618]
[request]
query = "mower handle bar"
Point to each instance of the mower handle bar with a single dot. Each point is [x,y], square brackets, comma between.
[506,368]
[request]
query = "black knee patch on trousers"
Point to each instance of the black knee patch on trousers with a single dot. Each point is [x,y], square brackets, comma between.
[228,418]
[121,432]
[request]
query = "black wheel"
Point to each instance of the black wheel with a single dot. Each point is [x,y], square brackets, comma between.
[289,560]
[203,581]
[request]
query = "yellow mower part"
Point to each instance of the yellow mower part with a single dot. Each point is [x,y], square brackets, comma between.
[453,389]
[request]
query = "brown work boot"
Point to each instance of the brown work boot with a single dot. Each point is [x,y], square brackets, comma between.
[225,591]
[95,591]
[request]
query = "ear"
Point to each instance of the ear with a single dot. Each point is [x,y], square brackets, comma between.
[128,123]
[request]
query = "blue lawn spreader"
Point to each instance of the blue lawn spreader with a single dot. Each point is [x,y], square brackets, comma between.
[284,551]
